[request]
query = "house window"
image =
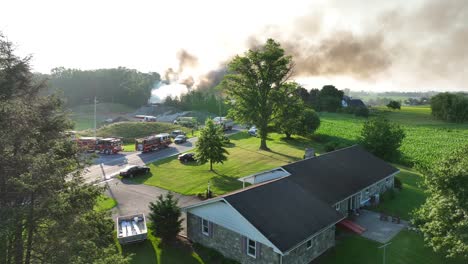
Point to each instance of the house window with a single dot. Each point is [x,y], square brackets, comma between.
[337,206]
[205,227]
[251,248]
[309,243]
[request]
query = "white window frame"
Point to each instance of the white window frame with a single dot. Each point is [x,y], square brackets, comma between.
[309,241]
[337,206]
[254,248]
[203,221]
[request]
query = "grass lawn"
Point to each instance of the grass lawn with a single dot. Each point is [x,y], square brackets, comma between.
[152,251]
[244,159]
[407,247]
[105,203]
[406,200]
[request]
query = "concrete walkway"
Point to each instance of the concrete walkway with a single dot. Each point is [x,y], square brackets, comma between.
[377,230]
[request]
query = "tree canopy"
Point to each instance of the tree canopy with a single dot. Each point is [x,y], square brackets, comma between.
[394,105]
[118,85]
[165,217]
[210,144]
[450,107]
[255,86]
[46,211]
[382,137]
[443,218]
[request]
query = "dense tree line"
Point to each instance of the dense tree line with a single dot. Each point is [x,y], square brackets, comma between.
[119,85]
[452,107]
[205,100]
[326,99]
[46,211]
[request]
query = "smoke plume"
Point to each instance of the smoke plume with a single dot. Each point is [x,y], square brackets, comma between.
[186,60]
[425,42]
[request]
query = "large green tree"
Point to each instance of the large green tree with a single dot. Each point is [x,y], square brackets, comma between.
[382,137]
[451,107]
[329,98]
[46,211]
[255,86]
[443,218]
[210,145]
[165,217]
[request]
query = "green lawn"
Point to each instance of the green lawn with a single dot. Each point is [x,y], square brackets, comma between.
[406,200]
[153,251]
[244,159]
[406,248]
[105,203]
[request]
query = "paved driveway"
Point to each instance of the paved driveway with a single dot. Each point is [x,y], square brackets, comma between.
[134,198]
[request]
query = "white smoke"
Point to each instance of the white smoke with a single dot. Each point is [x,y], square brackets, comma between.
[163,89]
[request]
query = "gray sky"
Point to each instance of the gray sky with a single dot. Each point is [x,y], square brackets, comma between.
[362,45]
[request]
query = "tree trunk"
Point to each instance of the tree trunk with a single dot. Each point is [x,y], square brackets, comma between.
[263,137]
[30,231]
[288,135]
[211,165]
[18,251]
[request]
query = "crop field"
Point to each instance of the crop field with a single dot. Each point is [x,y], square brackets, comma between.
[426,139]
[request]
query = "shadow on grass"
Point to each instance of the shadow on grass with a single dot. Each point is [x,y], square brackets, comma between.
[225,183]
[143,252]
[177,252]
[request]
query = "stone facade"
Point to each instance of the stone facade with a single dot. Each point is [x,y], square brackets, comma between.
[365,194]
[320,243]
[228,243]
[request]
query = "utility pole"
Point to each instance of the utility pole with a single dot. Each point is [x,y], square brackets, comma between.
[95,102]
[384,250]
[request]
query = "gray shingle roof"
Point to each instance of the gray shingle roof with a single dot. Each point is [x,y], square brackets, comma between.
[289,210]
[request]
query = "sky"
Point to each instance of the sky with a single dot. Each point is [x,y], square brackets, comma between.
[379,45]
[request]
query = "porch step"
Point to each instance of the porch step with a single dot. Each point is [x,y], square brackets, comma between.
[352,226]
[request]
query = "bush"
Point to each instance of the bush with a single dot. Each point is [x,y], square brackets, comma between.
[382,137]
[334,145]
[361,111]
[394,105]
[165,217]
[398,184]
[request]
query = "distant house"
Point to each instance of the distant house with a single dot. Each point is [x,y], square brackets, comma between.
[289,214]
[349,102]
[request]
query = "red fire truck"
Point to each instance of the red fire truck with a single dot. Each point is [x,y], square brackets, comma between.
[152,143]
[87,144]
[109,145]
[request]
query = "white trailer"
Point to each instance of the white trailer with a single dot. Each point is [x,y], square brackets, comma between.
[131,228]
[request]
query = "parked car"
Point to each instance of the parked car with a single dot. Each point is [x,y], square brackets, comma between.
[253,131]
[134,170]
[186,157]
[180,139]
[176,133]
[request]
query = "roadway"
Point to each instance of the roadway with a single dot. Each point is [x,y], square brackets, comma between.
[108,166]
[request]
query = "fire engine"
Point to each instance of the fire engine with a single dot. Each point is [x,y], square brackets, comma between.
[87,144]
[152,143]
[109,145]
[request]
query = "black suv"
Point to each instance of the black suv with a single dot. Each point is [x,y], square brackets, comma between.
[134,170]
[186,157]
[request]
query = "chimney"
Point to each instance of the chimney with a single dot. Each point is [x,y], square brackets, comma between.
[309,153]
